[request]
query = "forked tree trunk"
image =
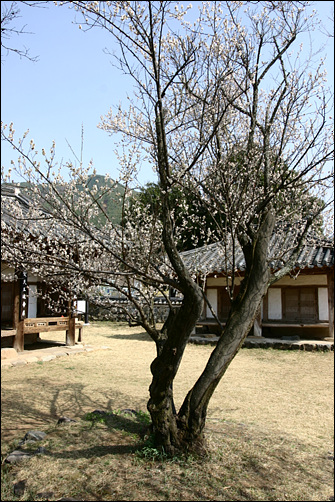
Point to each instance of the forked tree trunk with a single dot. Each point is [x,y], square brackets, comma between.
[164,369]
[184,431]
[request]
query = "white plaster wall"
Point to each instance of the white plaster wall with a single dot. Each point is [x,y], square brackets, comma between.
[323,304]
[212,295]
[32,301]
[274,304]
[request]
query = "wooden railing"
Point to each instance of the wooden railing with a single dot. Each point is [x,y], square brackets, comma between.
[47,324]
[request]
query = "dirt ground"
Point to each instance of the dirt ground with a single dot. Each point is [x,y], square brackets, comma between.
[287,392]
[269,429]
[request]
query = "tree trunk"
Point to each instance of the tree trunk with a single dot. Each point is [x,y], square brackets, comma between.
[164,369]
[185,431]
[192,415]
[180,325]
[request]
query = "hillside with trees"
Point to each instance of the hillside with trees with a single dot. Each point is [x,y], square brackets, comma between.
[109,195]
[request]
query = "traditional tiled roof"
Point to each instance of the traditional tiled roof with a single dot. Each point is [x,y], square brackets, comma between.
[214,258]
[13,193]
[19,211]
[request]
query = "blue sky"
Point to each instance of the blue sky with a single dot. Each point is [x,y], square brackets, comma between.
[74,83]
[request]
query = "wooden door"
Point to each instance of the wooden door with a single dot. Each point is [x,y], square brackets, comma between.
[308,304]
[224,302]
[300,304]
[291,304]
[7,304]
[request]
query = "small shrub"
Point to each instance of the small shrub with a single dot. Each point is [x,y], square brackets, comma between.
[95,417]
[150,452]
[144,417]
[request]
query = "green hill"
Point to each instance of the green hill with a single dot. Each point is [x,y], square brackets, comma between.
[109,198]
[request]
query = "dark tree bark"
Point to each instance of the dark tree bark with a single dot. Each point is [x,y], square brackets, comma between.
[185,430]
[192,415]
[164,369]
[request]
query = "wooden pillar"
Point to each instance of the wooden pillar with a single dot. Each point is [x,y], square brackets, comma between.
[19,337]
[16,304]
[70,333]
[80,329]
[19,309]
[86,311]
[330,281]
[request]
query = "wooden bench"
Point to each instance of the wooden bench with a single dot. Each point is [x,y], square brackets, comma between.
[45,325]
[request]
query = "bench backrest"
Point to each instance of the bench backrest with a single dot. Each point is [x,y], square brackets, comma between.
[45,324]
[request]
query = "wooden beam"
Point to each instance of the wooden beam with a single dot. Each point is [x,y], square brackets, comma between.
[45,324]
[295,325]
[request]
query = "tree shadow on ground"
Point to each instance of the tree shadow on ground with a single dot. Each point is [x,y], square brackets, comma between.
[41,404]
[134,427]
[95,451]
[43,344]
[126,431]
[126,420]
[132,336]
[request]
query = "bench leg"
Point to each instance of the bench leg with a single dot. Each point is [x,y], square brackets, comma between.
[79,334]
[19,337]
[71,332]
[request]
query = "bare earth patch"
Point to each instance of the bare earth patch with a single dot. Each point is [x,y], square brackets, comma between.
[269,429]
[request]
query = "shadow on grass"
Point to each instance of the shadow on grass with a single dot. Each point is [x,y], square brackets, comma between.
[22,410]
[132,336]
[95,451]
[129,421]
[132,430]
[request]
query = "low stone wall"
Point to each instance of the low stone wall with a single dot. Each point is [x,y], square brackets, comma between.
[270,343]
[124,312]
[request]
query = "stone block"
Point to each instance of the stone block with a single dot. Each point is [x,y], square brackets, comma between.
[8,353]
[73,351]
[34,436]
[292,338]
[60,354]
[19,362]
[6,363]
[16,456]
[48,358]
[29,359]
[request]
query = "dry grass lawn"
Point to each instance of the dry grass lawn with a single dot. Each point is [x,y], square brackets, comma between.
[269,429]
